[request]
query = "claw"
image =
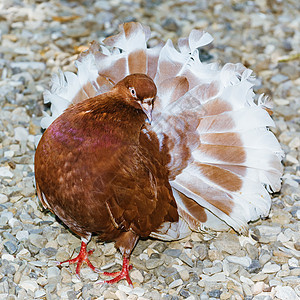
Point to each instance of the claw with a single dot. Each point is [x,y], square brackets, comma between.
[123,274]
[80,259]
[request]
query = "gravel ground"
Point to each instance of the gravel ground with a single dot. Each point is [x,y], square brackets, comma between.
[38,38]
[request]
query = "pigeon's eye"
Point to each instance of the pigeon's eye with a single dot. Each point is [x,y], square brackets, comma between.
[132,91]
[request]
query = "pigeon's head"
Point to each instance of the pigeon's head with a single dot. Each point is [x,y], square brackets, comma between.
[140,92]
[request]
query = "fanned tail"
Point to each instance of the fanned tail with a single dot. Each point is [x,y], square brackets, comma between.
[235,161]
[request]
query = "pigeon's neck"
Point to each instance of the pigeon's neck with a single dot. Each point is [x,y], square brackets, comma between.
[108,111]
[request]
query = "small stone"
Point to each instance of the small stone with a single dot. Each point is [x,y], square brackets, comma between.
[243,261]
[37,240]
[294,143]
[137,275]
[3,198]
[49,251]
[259,277]
[270,268]
[183,257]
[5,172]
[22,235]
[184,293]
[214,254]
[21,134]
[175,283]
[215,293]
[293,262]
[285,293]
[297,246]
[218,277]
[153,263]
[109,295]
[138,291]
[201,251]
[268,233]
[279,78]
[53,272]
[212,270]
[184,274]
[168,272]
[265,256]
[8,257]
[170,24]
[24,253]
[160,247]
[109,249]
[172,252]
[258,288]
[228,243]
[10,247]
[62,239]
[39,293]
[175,276]
[29,285]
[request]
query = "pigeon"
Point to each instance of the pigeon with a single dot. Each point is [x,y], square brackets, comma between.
[151,142]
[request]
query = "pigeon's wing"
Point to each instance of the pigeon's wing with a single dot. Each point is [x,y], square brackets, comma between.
[141,197]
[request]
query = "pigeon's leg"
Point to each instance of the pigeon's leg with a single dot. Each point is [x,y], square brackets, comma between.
[123,274]
[125,243]
[81,258]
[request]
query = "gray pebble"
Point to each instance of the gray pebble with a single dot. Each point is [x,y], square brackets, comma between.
[153,263]
[172,252]
[11,247]
[49,251]
[254,267]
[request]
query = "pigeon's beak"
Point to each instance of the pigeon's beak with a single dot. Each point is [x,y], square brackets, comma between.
[147,109]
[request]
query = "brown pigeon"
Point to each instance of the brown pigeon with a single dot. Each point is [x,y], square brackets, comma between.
[153,142]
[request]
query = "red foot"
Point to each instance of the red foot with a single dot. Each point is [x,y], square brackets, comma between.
[123,274]
[80,259]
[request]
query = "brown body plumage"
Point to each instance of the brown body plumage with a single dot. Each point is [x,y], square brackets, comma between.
[100,173]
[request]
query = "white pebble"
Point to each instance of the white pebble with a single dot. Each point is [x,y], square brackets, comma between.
[282,238]
[298,214]
[143,256]
[9,153]
[258,287]
[293,262]
[246,280]
[124,288]
[53,272]
[22,235]
[218,277]
[7,214]
[175,283]
[23,253]
[8,257]
[121,295]
[5,172]
[29,285]
[285,293]
[13,222]
[270,268]
[3,198]
[137,275]
[21,134]
[244,261]
[138,291]
[39,293]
